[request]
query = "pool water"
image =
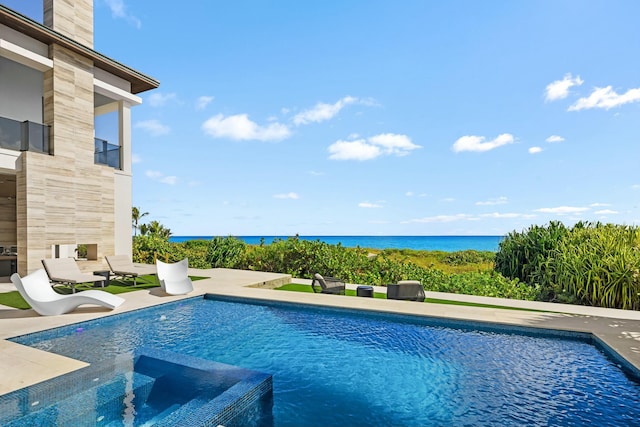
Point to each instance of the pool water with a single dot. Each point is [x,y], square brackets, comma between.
[339,368]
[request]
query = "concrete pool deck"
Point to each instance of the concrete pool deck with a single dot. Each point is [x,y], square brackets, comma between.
[23,366]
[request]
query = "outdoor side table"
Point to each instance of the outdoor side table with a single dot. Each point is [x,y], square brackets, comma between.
[364,291]
[105,282]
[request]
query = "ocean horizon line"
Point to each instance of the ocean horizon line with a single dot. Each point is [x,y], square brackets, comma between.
[447,243]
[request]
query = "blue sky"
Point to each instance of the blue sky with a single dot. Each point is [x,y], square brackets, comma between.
[380,117]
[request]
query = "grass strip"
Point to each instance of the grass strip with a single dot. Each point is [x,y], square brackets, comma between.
[116,286]
[296,287]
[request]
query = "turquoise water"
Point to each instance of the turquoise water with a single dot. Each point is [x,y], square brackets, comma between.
[349,368]
[426,243]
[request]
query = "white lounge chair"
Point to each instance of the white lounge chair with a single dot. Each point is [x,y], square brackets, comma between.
[67,272]
[38,293]
[122,266]
[174,278]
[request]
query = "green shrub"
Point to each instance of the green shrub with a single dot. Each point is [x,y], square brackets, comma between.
[525,256]
[599,266]
[226,252]
[468,257]
[303,258]
[590,263]
[147,247]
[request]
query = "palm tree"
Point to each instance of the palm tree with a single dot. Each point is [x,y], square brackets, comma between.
[159,230]
[136,216]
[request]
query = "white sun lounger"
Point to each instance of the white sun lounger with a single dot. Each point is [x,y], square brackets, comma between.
[174,278]
[66,271]
[38,293]
[122,266]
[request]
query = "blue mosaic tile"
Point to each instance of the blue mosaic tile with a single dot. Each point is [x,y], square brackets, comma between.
[167,388]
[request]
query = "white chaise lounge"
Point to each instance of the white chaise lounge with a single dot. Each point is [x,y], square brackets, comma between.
[67,272]
[174,278]
[38,293]
[122,266]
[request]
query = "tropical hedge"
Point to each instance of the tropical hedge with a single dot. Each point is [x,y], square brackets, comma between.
[302,258]
[590,263]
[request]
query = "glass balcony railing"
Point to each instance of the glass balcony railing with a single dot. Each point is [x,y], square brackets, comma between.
[30,136]
[106,154]
[24,136]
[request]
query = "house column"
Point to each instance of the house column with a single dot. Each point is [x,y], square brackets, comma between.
[123,183]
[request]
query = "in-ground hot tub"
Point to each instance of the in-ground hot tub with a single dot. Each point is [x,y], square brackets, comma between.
[151,387]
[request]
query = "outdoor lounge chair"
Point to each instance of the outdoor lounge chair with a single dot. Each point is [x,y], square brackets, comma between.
[67,272]
[411,290]
[38,293]
[174,278]
[327,285]
[122,266]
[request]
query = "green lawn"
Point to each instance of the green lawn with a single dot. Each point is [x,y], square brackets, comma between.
[119,286]
[13,299]
[295,287]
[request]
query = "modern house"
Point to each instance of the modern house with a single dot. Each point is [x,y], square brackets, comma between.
[63,191]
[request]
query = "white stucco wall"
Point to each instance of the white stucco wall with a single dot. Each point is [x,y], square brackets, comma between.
[21,90]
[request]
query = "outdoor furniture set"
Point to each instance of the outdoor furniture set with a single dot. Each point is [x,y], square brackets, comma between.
[409,290]
[36,288]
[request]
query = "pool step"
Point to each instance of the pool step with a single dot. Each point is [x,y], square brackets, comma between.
[80,408]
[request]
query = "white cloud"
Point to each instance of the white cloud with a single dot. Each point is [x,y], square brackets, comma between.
[369,205]
[409,194]
[559,89]
[448,200]
[169,180]
[509,215]
[119,10]
[239,127]
[135,159]
[154,127]
[496,201]
[321,111]
[606,212]
[379,221]
[606,98]
[158,99]
[160,177]
[554,138]
[316,173]
[399,145]
[444,218]
[292,196]
[370,148]
[635,187]
[562,210]
[203,101]
[596,205]
[353,150]
[477,143]
[535,150]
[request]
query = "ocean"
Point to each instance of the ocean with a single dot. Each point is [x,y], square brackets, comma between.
[426,243]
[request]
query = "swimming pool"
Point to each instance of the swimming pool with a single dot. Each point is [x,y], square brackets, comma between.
[337,367]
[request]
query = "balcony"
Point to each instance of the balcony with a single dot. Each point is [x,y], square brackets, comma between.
[24,136]
[106,154]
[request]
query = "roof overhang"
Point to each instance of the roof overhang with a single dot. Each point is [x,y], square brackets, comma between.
[139,82]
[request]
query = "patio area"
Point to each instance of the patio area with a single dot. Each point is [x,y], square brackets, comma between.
[24,366]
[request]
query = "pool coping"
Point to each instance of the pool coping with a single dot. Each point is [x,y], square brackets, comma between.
[617,330]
